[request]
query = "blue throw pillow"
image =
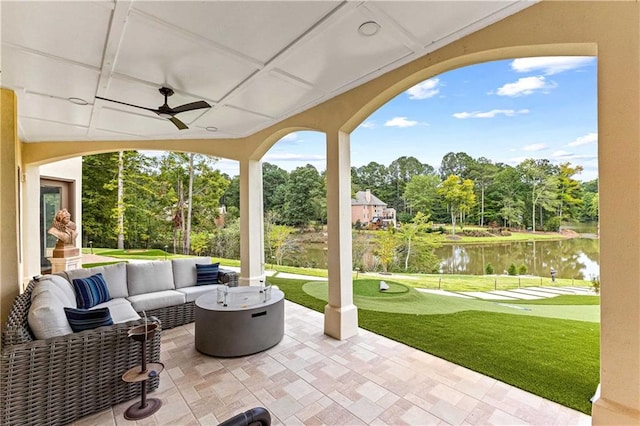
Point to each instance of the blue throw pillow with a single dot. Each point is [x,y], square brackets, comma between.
[207,274]
[85,319]
[91,291]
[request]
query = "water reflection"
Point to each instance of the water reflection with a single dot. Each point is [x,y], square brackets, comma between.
[577,258]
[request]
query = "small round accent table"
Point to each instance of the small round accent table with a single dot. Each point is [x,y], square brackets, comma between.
[246,325]
[142,373]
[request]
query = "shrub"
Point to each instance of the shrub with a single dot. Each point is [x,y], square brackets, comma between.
[595,283]
[513,269]
[489,269]
[522,270]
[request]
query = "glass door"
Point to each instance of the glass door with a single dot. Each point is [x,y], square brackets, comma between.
[54,195]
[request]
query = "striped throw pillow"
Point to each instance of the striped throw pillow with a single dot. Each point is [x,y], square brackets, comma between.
[91,291]
[207,274]
[85,319]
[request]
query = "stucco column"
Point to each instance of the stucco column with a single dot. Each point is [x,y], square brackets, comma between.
[619,189]
[251,223]
[340,314]
[9,181]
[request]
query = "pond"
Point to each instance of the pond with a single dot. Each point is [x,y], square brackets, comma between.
[574,258]
[577,258]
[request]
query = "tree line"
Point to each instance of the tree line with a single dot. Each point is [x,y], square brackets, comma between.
[534,194]
[132,200]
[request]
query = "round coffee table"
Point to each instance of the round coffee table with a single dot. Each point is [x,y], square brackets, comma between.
[247,325]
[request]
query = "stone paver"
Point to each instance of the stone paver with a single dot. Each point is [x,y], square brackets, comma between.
[310,378]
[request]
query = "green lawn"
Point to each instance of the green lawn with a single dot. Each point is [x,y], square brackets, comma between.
[475,282]
[413,302]
[555,358]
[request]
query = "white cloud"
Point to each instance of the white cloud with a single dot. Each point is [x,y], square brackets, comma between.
[369,124]
[526,86]
[550,64]
[490,114]
[400,122]
[534,147]
[560,153]
[288,156]
[587,139]
[426,89]
[574,157]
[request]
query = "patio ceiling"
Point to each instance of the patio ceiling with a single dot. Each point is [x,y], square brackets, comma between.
[256,63]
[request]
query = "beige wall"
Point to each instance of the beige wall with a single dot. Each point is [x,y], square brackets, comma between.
[9,202]
[610,30]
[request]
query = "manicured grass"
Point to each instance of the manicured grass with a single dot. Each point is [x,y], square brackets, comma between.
[562,300]
[554,358]
[475,282]
[91,265]
[414,302]
[515,236]
[371,288]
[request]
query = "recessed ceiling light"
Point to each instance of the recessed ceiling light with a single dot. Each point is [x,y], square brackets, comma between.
[78,101]
[211,129]
[369,28]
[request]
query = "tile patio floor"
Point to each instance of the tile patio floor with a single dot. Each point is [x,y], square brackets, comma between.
[312,379]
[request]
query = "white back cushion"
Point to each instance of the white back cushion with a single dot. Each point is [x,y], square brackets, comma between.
[59,286]
[149,277]
[114,275]
[46,314]
[184,270]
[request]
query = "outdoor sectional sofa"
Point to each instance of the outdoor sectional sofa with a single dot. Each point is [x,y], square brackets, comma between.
[59,379]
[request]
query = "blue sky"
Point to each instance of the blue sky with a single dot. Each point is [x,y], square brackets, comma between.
[506,111]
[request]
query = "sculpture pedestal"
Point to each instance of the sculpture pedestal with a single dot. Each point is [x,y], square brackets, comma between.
[59,264]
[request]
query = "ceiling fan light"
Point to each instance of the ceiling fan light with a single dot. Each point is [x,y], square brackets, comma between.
[165,115]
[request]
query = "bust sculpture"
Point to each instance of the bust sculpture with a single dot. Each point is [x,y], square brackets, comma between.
[63,229]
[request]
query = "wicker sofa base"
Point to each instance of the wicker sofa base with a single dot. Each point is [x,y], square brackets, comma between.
[174,316]
[59,380]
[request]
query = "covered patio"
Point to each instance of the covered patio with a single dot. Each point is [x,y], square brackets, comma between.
[312,69]
[312,379]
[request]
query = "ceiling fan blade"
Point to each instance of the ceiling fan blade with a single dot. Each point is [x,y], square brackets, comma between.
[179,124]
[124,103]
[190,107]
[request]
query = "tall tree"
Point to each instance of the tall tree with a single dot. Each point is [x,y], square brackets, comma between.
[120,206]
[401,170]
[274,181]
[99,197]
[569,191]
[458,195]
[543,185]
[386,247]
[455,163]
[408,232]
[421,193]
[302,202]
[482,171]
[373,176]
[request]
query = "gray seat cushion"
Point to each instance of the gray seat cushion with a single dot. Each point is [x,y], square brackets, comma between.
[149,277]
[120,309]
[192,293]
[184,270]
[156,300]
